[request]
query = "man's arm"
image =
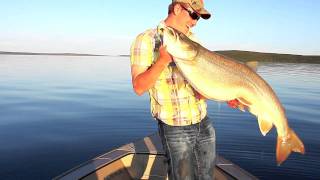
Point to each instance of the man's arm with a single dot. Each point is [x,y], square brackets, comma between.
[143,78]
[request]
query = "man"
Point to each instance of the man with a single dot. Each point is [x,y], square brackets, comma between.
[187,134]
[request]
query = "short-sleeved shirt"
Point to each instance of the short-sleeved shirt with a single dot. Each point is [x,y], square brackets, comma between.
[172,99]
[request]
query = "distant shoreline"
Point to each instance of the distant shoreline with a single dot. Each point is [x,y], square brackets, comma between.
[52,54]
[243,56]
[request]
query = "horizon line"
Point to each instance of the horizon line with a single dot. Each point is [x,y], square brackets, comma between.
[89,54]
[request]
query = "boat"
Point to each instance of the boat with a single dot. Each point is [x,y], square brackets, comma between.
[143,159]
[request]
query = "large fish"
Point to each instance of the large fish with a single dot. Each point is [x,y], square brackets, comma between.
[220,78]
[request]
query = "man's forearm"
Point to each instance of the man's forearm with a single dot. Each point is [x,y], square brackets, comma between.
[147,79]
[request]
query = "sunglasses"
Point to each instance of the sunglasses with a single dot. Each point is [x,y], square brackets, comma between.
[193,14]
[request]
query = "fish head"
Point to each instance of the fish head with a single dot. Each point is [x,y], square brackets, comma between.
[178,44]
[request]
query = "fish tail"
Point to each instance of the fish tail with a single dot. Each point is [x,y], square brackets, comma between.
[288,144]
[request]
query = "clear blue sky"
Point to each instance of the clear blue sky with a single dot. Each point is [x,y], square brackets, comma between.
[109,27]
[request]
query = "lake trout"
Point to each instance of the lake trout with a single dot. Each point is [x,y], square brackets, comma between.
[221,78]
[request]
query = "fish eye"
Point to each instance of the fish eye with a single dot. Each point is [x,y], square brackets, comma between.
[171,32]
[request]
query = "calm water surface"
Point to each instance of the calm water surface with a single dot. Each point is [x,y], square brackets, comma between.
[57,112]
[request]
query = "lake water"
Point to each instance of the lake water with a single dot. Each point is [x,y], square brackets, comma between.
[59,111]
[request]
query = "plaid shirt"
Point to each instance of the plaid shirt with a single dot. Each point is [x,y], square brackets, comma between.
[172,99]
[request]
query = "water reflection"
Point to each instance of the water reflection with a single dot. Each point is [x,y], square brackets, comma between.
[66,110]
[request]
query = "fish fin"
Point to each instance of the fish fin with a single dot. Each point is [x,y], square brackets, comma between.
[285,145]
[264,126]
[253,110]
[244,101]
[253,65]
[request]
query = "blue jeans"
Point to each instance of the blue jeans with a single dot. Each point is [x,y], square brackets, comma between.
[190,150]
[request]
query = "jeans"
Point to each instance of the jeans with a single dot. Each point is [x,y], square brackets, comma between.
[190,150]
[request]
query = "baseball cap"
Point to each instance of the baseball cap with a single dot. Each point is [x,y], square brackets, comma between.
[196,5]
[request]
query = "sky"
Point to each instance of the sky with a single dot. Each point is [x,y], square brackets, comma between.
[109,27]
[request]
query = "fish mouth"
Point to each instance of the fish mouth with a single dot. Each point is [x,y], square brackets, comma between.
[178,44]
[171,35]
[169,31]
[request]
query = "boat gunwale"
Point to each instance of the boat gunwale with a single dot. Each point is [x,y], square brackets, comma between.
[85,169]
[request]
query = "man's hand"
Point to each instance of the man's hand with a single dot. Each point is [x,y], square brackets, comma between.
[198,95]
[164,56]
[233,103]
